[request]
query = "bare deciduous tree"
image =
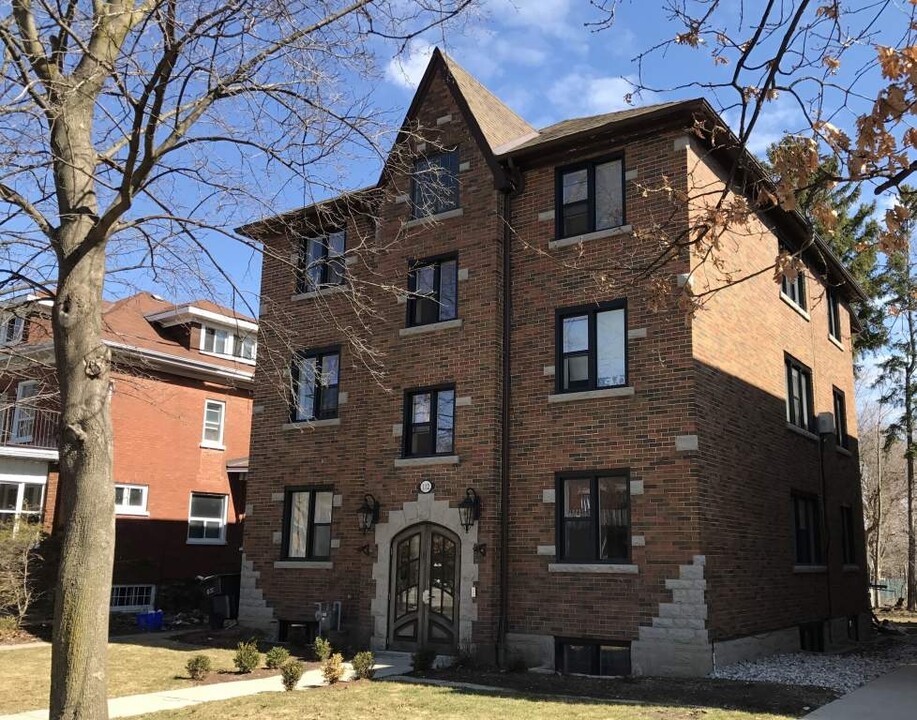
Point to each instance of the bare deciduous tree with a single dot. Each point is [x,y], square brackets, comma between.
[130,126]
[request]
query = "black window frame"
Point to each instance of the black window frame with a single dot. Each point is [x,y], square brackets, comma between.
[442,203]
[848,536]
[812,551]
[313,490]
[791,363]
[327,263]
[408,420]
[834,314]
[589,166]
[318,389]
[560,643]
[592,311]
[841,438]
[413,299]
[560,521]
[798,296]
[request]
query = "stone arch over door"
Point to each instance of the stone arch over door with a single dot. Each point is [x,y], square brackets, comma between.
[426,509]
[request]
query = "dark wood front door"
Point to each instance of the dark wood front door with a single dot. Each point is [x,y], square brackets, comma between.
[423,602]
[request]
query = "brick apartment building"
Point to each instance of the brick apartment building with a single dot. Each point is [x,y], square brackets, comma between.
[181,416]
[559,472]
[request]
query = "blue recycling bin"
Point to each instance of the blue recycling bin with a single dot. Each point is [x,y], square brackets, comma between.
[150,621]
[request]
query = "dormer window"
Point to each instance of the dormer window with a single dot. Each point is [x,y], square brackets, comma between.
[220,341]
[590,197]
[12,329]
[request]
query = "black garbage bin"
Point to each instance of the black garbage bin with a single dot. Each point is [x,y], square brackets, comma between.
[220,609]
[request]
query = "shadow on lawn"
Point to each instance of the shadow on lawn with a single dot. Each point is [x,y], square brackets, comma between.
[686,692]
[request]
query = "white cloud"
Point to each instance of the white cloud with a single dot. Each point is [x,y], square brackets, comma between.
[551,17]
[582,93]
[407,69]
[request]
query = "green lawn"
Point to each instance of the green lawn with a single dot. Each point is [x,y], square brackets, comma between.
[399,701]
[133,668]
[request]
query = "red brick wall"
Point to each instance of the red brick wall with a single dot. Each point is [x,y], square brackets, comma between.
[749,462]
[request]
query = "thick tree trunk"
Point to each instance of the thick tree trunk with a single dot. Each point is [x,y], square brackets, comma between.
[79,654]
[909,430]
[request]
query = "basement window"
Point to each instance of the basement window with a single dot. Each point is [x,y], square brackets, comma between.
[132,598]
[592,657]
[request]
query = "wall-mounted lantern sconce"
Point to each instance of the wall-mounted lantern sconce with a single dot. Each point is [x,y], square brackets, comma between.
[469,509]
[368,514]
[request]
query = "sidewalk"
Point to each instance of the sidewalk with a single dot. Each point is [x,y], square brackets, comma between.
[387,664]
[891,697]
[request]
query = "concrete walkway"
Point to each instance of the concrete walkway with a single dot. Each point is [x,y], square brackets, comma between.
[387,664]
[890,697]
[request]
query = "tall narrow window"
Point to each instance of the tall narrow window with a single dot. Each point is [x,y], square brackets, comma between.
[434,292]
[307,523]
[214,412]
[798,394]
[834,314]
[592,347]
[807,522]
[207,519]
[321,262]
[794,290]
[594,518]
[848,544]
[23,428]
[590,197]
[840,418]
[429,421]
[316,377]
[434,184]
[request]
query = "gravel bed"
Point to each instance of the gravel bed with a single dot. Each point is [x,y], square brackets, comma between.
[841,672]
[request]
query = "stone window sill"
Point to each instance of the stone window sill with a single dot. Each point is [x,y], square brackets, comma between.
[430,327]
[213,446]
[851,568]
[303,424]
[792,303]
[597,235]
[809,569]
[801,431]
[433,219]
[593,568]
[837,343]
[330,290]
[203,541]
[425,461]
[305,564]
[132,513]
[591,394]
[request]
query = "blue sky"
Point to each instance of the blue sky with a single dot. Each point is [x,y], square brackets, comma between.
[546,62]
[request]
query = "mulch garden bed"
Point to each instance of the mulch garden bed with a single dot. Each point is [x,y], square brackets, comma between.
[28,634]
[726,694]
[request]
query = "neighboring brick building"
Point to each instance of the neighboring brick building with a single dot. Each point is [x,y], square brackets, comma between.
[649,485]
[181,417]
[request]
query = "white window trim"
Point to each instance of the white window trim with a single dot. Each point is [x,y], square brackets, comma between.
[207,541]
[18,333]
[134,608]
[214,444]
[130,509]
[19,412]
[230,345]
[18,513]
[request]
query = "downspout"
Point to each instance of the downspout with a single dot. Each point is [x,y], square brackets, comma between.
[510,187]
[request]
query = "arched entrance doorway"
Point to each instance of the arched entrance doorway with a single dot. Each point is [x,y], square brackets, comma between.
[424,588]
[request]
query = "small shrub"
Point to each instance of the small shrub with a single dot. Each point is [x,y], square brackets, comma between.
[198,667]
[9,626]
[333,668]
[423,659]
[363,663]
[291,672]
[322,648]
[247,657]
[275,657]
